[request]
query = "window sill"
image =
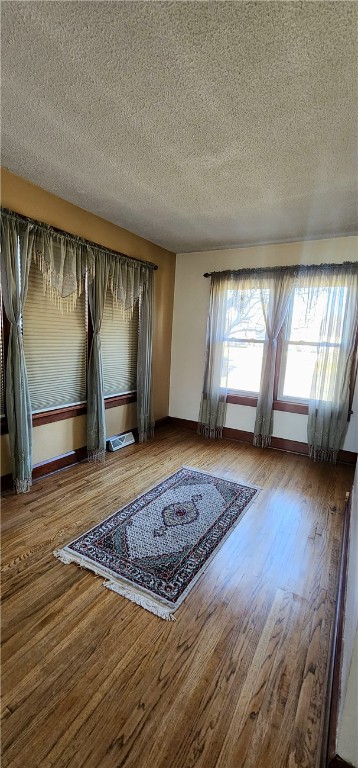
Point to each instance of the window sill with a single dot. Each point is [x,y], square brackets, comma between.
[278,405]
[241,399]
[290,407]
[114,402]
[49,417]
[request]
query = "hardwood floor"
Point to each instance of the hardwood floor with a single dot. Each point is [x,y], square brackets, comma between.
[91,680]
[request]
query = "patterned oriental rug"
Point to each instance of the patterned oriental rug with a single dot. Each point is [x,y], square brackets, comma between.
[154,549]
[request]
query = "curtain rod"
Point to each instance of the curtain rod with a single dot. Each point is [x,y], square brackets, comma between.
[294,269]
[81,240]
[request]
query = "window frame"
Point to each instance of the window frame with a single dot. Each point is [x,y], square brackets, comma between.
[288,405]
[242,396]
[111,397]
[281,402]
[281,360]
[243,392]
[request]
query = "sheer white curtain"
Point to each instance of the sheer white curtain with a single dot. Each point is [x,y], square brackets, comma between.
[331,296]
[213,399]
[332,305]
[232,297]
[275,292]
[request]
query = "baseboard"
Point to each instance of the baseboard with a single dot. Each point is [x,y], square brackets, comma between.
[6,483]
[65,460]
[162,422]
[338,762]
[184,423]
[329,757]
[48,467]
[59,462]
[74,457]
[278,443]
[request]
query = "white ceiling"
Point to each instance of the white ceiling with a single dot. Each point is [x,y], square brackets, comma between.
[198,125]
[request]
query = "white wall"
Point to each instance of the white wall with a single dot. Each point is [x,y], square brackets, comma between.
[191,302]
[347,741]
[347,746]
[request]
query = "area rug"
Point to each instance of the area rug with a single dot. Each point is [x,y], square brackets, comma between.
[154,549]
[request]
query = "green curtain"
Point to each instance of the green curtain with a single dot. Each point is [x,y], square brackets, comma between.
[63,262]
[144,357]
[96,423]
[17,241]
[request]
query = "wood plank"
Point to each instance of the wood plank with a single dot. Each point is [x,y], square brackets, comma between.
[238,681]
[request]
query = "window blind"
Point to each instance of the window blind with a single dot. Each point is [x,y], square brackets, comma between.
[119,342]
[55,349]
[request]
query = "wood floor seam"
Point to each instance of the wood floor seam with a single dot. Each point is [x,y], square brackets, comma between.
[91,680]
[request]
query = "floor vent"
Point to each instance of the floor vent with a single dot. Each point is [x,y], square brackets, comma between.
[119,441]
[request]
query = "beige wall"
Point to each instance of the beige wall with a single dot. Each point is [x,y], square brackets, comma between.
[26,198]
[191,303]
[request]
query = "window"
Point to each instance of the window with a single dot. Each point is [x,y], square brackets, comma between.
[308,344]
[244,341]
[55,344]
[293,326]
[312,333]
[119,342]
[55,349]
[56,337]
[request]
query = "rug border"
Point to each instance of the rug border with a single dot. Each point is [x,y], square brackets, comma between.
[139,595]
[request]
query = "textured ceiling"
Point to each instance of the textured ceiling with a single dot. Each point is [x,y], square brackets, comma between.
[197,125]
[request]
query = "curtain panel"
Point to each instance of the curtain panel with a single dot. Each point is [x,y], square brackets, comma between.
[64,260]
[275,293]
[213,400]
[129,283]
[96,421]
[63,263]
[16,251]
[145,419]
[227,303]
[332,287]
[336,359]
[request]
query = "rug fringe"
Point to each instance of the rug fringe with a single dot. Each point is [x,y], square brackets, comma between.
[121,589]
[61,555]
[142,600]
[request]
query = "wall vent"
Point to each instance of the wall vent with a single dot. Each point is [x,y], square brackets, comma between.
[119,441]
